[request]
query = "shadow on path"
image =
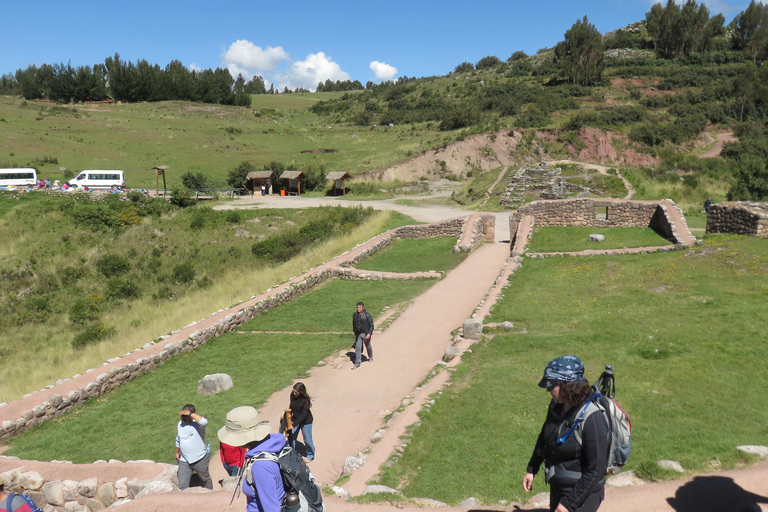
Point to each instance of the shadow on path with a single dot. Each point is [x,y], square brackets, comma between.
[714,494]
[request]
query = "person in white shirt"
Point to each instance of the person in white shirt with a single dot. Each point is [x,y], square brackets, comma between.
[191,452]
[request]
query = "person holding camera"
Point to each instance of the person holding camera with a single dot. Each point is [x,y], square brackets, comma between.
[191,451]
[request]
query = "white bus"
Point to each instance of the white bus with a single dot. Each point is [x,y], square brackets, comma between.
[98,179]
[18,177]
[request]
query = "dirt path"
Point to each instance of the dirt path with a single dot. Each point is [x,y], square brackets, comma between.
[720,139]
[421,214]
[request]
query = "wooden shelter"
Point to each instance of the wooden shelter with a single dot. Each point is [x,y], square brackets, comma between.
[293,187]
[258,178]
[159,171]
[339,180]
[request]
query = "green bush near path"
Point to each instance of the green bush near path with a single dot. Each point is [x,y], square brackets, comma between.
[418,255]
[576,238]
[687,335]
[138,421]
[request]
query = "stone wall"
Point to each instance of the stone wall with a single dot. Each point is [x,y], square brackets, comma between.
[452,227]
[741,218]
[584,212]
[55,404]
[86,495]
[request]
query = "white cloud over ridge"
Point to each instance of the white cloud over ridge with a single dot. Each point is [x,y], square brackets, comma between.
[383,71]
[246,55]
[276,66]
[317,67]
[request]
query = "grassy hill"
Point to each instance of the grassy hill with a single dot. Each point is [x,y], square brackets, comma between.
[192,137]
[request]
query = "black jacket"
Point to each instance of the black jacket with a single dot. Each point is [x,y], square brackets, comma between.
[590,459]
[299,415]
[362,324]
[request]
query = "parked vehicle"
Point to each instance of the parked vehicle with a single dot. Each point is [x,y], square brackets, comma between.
[18,177]
[98,179]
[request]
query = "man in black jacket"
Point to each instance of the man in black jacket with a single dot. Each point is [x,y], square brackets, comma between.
[362,326]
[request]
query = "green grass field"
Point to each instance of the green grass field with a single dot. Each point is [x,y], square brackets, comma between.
[137,422]
[687,337]
[329,308]
[199,138]
[123,424]
[415,256]
[576,238]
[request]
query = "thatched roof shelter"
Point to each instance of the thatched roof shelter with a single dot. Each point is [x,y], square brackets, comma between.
[339,179]
[294,181]
[257,179]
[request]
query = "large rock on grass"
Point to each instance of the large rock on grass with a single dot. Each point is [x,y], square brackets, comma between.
[214,384]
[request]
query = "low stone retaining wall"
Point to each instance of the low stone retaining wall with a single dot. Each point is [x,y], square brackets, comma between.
[86,495]
[452,227]
[584,212]
[56,404]
[741,218]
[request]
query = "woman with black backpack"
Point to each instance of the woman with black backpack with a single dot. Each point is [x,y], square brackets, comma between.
[574,465]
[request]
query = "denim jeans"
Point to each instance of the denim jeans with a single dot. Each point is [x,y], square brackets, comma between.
[231,470]
[306,433]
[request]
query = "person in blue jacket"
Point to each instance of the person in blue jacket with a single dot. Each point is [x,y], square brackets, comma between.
[243,428]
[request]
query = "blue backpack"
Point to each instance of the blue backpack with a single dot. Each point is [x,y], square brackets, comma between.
[11,496]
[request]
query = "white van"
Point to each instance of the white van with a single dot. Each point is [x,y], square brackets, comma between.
[98,179]
[18,177]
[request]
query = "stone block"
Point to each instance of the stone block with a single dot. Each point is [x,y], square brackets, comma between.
[473,329]
[214,384]
[88,487]
[31,480]
[596,238]
[54,493]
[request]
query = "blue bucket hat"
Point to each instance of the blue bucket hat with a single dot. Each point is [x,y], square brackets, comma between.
[562,369]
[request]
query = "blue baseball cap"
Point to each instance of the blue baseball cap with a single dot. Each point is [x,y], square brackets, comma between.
[562,369]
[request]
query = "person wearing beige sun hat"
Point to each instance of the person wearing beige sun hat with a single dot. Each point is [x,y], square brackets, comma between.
[243,428]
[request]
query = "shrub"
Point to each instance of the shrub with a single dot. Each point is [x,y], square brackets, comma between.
[118,288]
[198,220]
[237,177]
[70,275]
[92,334]
[182,197]
[165,292]
[233,216]
[86,309]
[464,67]
[191,180]
[112,265]
[184,273]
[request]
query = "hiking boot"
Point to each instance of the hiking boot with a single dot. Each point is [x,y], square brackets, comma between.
[356,367]
[370,360]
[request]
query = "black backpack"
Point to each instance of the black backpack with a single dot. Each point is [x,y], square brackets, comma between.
[298,481]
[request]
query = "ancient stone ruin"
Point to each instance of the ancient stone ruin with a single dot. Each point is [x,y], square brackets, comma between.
[540,182]
[738,217]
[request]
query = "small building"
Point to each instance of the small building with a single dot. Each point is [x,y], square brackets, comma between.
[293,182]
[339,179]
[258,178]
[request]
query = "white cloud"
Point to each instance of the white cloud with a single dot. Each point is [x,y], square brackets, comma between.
[383,71]
[247,58]
[194,67]
[317,67]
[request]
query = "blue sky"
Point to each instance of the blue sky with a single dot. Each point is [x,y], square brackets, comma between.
[298,43]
